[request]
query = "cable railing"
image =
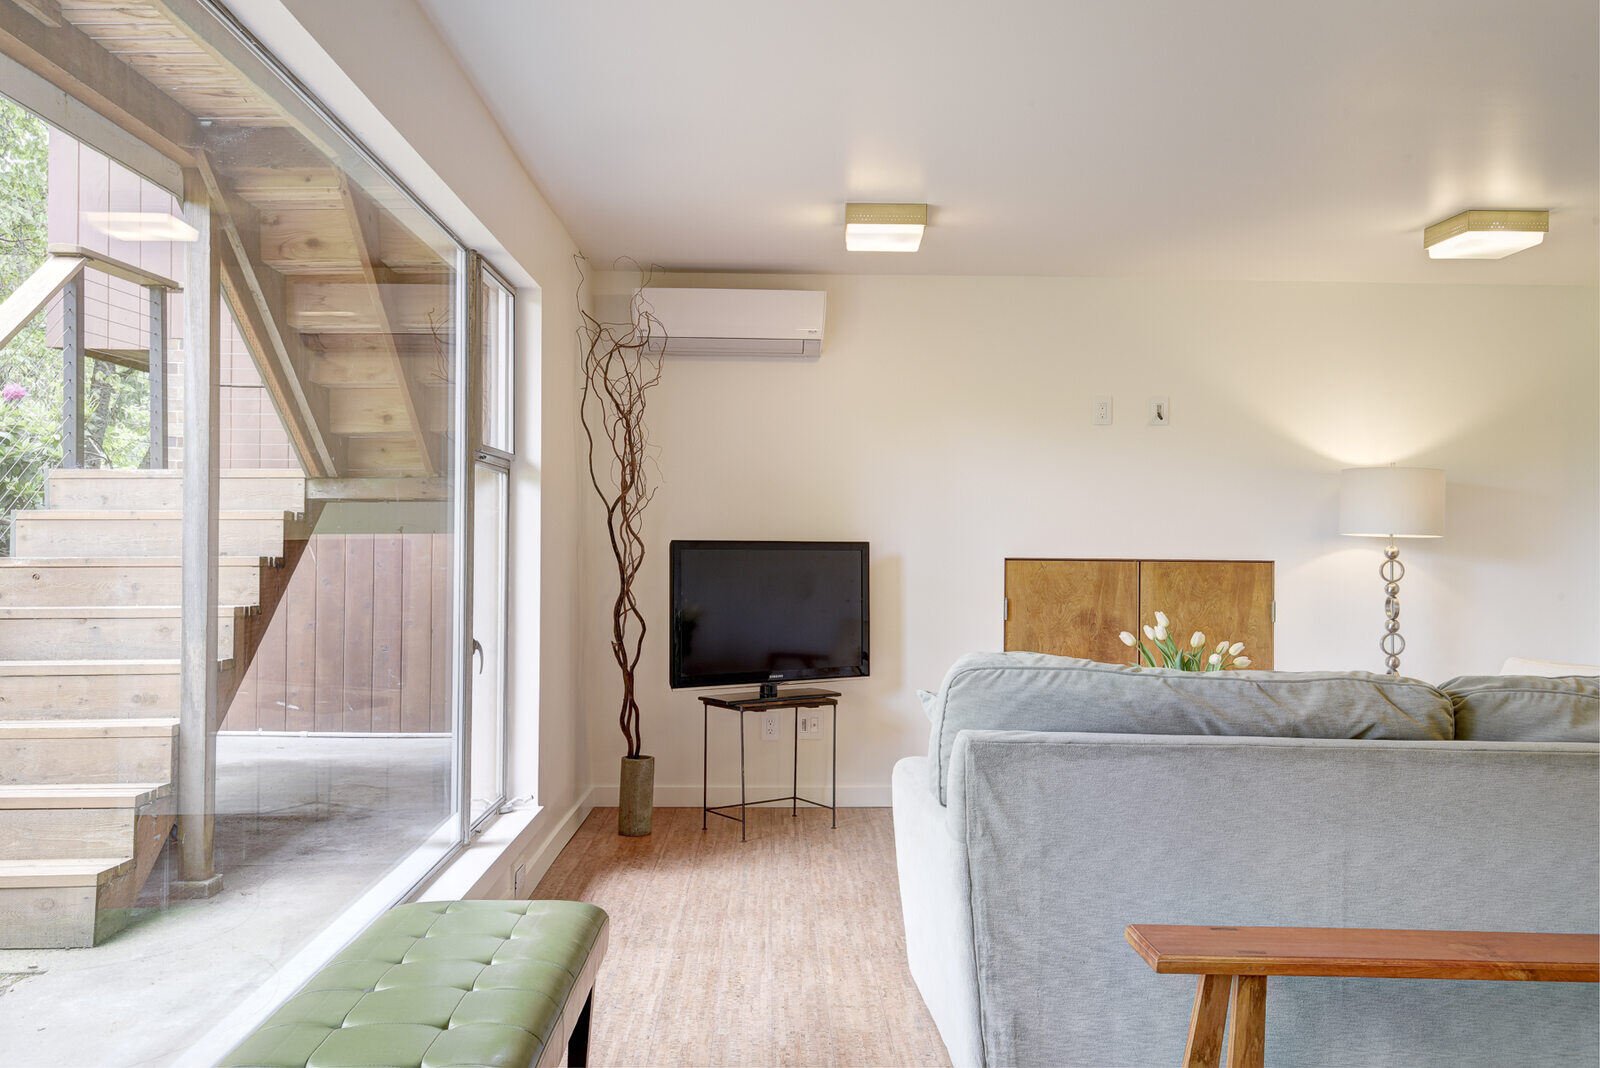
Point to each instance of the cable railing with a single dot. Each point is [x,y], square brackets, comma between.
[103,417]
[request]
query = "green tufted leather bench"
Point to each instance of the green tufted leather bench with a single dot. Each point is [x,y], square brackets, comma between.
[443,984]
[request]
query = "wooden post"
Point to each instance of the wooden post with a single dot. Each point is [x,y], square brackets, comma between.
[72,368]
[197,739]
[158,377]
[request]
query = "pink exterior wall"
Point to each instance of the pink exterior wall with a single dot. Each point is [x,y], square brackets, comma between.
[83,183]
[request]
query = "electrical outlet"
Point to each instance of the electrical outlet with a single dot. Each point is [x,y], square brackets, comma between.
[1101,411]
[811,724]
[516,880]
[769,727]
[1160,411]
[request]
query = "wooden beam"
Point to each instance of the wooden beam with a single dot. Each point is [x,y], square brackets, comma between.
[87,125]
[73,62]
[115,267]
[198,686]
[255,293]
[46,11]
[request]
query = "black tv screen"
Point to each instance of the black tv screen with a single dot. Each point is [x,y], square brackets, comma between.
[768,611]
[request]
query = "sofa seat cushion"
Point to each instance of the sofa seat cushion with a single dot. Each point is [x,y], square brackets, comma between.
[1036,692]
[433,984]
[1526,708]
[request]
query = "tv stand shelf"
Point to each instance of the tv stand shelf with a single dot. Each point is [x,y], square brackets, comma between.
[741,704]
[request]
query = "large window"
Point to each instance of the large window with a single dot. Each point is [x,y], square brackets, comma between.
[238,288]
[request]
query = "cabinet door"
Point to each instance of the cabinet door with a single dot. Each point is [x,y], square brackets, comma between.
[1229,599]
[1072,607]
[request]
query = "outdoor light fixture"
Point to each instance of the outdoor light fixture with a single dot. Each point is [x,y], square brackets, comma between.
[141,226]
[1485,235]
[1391,502]
[884,227]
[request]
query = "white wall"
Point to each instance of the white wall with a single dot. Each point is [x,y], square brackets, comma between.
[947,422]
[412,103]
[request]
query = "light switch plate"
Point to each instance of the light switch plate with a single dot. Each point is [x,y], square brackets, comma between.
[1160,411]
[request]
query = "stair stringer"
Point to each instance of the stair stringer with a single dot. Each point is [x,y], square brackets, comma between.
[250,625]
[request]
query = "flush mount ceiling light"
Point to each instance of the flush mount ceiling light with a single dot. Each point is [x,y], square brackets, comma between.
[1485,235]
[884,227]
[141,226]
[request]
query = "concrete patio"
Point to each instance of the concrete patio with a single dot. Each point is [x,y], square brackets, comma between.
[305,824]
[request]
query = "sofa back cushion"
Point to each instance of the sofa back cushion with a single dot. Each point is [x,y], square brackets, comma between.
[1035,692]
[1526,708]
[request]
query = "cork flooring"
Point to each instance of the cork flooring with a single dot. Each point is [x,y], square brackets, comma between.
[787,949]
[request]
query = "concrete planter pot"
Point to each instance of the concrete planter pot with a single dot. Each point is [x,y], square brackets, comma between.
[636,796]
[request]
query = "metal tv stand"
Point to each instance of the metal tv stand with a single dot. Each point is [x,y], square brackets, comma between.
[768,699]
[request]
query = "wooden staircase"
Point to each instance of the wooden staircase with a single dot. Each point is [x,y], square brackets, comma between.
[89,640]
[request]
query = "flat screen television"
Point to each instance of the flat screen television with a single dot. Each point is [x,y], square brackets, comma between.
[768,612]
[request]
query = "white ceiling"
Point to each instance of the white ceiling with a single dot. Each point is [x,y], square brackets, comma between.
[1231,139]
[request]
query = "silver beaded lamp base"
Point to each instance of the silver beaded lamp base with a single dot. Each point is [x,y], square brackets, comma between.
[1392,643]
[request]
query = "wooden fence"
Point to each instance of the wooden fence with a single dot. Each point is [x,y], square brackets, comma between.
[359,643]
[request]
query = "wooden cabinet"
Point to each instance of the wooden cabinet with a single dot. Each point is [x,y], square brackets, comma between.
[1077,607]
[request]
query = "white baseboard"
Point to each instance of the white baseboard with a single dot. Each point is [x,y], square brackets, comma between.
[605,796]
[544,854]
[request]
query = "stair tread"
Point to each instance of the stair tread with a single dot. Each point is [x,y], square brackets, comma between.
[118,561]
[74,514]
[82,795]
[142,666]
[75,872]
[106,472]
[147,727]
[100,611]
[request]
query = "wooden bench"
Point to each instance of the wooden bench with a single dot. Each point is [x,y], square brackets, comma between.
[1233,964]
[441,983]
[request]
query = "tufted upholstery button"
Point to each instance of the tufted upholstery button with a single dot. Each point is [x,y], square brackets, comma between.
[440,985]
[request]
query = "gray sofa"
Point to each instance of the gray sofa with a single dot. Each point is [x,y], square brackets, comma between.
[1031,835]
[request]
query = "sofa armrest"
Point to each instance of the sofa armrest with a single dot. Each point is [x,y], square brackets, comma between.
[934,898]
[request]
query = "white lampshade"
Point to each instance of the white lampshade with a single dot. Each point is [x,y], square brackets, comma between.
[1391,502]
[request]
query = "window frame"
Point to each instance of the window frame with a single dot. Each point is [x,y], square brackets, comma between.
[476,274]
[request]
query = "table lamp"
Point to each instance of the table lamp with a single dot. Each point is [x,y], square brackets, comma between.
[1391,502]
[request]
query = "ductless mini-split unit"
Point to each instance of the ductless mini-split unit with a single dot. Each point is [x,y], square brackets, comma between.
[761,323]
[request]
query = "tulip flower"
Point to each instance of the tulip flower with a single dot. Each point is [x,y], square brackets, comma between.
[1222,646]
[1241,661]
[1236,648]
[1197,640]
[1215,660]
[1161,633]
[1161,619]
[1127,639]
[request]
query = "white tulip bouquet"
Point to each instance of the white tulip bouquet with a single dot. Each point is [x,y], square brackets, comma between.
[1197,657]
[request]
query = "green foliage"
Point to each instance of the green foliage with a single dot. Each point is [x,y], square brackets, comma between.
[116,399]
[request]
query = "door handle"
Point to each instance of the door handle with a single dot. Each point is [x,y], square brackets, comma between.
[477,655]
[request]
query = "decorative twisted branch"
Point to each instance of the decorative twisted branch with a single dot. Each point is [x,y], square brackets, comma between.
[620,364]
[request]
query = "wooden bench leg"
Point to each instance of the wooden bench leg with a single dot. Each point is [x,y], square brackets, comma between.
[578,1044]
[1204,1049]
[1247,1022]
